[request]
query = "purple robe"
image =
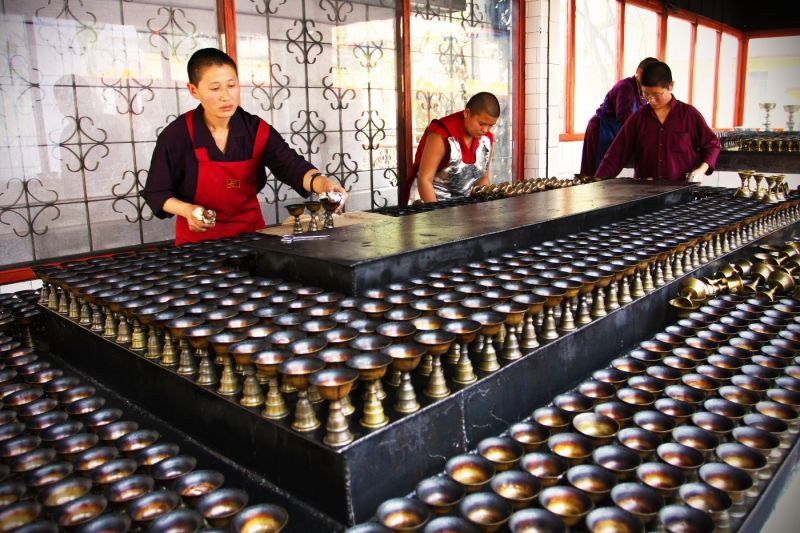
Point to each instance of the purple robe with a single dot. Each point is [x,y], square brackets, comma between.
[662,151]
[620,103]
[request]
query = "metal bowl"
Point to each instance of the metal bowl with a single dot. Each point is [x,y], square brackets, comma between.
[191,486]
[440,493]
[128,489]
[639,500]
[402,514]
[261,518]
[151,506]
[682,518]
[594,480]
[613,520]
[470,470]
[535,521]
[219,507]
[79,511]
[548,468]
[569,503]
[486,510]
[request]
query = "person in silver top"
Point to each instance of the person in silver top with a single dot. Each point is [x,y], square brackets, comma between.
[454,153]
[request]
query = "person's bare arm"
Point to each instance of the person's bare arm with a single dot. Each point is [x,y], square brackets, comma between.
[431,157]
[183,209]
[485,178]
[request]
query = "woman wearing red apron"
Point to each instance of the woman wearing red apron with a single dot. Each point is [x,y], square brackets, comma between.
[214,158]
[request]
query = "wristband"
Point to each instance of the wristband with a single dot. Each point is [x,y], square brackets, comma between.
[311,183]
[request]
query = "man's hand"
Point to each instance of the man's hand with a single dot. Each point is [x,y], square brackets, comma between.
[696,175]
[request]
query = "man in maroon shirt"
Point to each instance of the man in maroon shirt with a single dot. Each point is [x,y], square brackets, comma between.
[623,100]
[213,158]
[669,140]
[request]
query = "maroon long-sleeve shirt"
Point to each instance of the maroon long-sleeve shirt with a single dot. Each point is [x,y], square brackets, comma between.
[665,151]
[173,167]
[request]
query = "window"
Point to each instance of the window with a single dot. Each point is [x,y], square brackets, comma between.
[773,68]
[457,50]
[595,55]
[641,37]
[702,54]
[679,51]
[726,85]
[704,71]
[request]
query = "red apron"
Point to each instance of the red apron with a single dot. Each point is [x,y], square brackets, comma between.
[229,188]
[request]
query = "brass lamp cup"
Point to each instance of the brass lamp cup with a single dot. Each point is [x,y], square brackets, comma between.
[178,520]
[334,384]
[599,429]
[403,514]
[622,413]
[594,480]
[646,382]
[639,500]
[685,394]
[156,453]
[612,376]
[676,518]
[676,409]
[471,471]
[569,503]
[135,441]
[546,467]
[193,485]
[79,511]
[19,514]
[683,457]
[405,358]
[739,395]
[517,487]
[112,471]
[573,402]
[110,433]
[553,418]
[662,477]
[780,411]
[70,446]
[641,441]
[742,457]
[371,367]
[167,471]
[784,396]
[92,458]
[708,499]
[102,417]
[760,440]
[503,452]
[613,519]
[43,476]
[530,434]
[442,524]
[637,398]
[399,331]
[64,491]
[260,518]
[486,510]
[221,506]
[126,490]
[440,493]
[618,460]
[535,520]
[654,421]
[729,479]
[145,509]
[628,365]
